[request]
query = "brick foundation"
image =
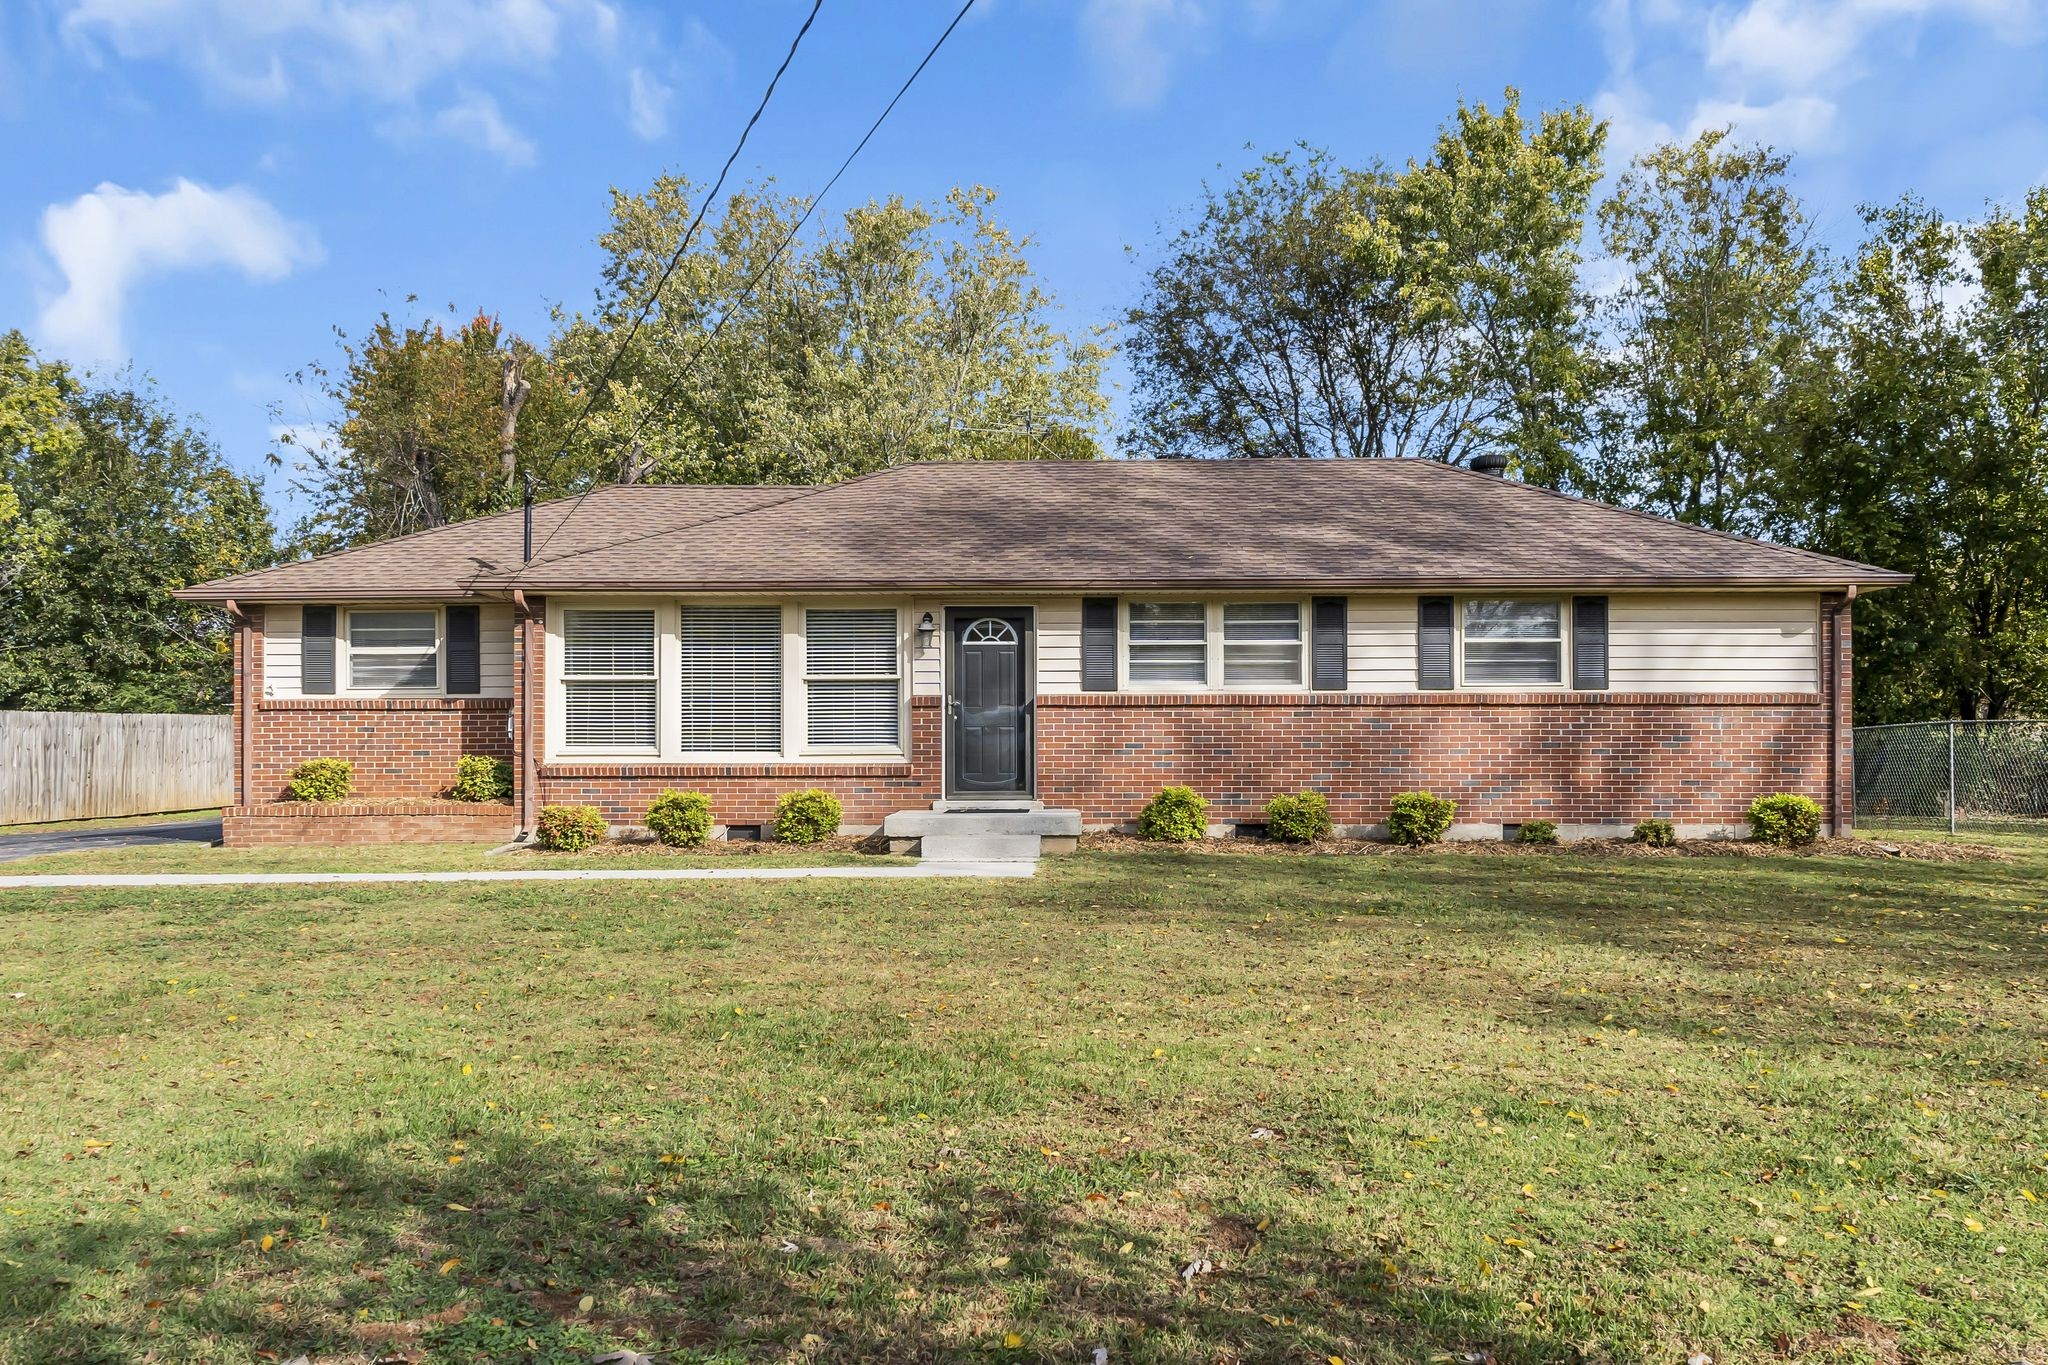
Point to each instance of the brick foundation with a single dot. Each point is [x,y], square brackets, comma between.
[349,823]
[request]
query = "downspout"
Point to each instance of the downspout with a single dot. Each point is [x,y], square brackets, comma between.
[245,700]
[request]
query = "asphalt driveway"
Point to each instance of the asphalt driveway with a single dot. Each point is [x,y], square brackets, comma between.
[13,846]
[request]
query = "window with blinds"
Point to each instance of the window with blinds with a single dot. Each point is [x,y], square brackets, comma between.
[1511,641]
[1169,643]
[730,679]
[1261,643]
[608,679]
[853,682]
[393,651]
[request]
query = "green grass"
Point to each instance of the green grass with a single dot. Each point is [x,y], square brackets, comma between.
[113,821]
[421,858]
[1555,1108]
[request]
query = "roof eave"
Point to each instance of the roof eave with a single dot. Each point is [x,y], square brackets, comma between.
[1874,581]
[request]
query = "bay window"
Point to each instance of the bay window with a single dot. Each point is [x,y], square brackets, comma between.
[853,680]
[1261,644]
[391,651]
[1511,640]
[1169,643]
[608,679]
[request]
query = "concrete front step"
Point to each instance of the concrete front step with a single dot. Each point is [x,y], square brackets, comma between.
[918,824]
[979,848]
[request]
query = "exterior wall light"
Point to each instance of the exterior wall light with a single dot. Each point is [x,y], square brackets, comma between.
[926,628]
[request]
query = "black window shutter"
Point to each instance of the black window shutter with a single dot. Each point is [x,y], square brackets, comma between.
[1433,644]
[316,652]
[1589,644]
[1331,669]
[463,665]
[1098,644]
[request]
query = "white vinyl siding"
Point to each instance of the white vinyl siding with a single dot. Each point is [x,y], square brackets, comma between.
[730,679]
[1713,642]
[1382,643]
[853,682]
[282,666]
[608,679]
[494,650]
[1262,644]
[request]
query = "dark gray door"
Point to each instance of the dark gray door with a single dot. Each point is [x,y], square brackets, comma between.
[989,704]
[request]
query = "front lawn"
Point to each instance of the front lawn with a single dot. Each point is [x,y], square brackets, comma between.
[1181,1107]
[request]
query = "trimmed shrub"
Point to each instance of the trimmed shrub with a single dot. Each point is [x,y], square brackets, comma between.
[1419,818]
[565,829]
[1783,818]
[807,816]
[1537,832]
[479,777]
[1656,833]
[1299,819]
[680,819]
[322,779]
[1178,815]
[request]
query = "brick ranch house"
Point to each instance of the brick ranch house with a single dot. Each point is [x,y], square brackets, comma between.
[1079,634]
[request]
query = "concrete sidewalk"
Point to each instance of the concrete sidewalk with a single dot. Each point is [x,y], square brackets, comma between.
[915,871]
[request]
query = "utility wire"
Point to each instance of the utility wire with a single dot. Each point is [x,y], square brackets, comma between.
[675,259]
[747,289]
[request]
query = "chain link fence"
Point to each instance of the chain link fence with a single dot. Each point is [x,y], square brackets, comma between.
[1964,775]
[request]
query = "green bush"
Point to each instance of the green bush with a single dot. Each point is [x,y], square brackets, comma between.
[680,819]
[807,816]
[1537,832]
[479,777]
[1299,819]
[1176,816]
[566,829]
[1419,818]
[322,779]
[1784,819]
[1656,833]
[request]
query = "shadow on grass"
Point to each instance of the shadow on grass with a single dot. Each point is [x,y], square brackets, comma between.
[380,1250]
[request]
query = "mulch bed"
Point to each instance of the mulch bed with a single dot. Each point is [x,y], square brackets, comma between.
[1925,850]
[736,848]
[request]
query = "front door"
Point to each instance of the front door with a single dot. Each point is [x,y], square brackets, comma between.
[988,702]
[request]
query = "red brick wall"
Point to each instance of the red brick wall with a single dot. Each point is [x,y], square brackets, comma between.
[427,823]
[745,793]
[1576,758]
[400,747]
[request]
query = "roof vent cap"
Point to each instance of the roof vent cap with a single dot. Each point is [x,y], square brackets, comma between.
[1490,462]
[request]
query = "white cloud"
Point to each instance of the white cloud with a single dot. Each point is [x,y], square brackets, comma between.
[107,242]
[647,101]
[476,120]
[1132,44]
[1803,121]
[1799,44]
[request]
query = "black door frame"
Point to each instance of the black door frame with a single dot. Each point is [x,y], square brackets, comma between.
[955,619]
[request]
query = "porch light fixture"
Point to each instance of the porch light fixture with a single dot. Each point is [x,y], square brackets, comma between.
[926,628]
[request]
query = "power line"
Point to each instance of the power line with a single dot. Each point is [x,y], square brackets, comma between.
[747,289]
[676,257]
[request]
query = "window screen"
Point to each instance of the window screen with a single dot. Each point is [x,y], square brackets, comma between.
[608,679]
[1261,643]
[1168,643]
[1509,641]
[392,650]
[852,680]
[731,679]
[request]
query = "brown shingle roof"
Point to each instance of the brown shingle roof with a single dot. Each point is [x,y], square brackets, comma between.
[1104,525]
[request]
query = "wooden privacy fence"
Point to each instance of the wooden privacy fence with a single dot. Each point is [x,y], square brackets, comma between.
[75,765]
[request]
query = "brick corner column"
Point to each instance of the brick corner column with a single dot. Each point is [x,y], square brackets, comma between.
[246,690]
[529,646]
[1841,714]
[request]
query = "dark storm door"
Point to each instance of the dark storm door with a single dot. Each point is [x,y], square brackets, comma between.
[988,703]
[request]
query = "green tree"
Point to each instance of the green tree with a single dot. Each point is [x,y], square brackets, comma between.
[111,502]
[900,332]
[1315,311]
[1714,325]
[1924,447]
[435,426]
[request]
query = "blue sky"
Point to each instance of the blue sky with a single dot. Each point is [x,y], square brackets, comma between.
[205,188]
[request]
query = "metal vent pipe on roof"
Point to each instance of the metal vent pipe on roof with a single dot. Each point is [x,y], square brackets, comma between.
[1490,462]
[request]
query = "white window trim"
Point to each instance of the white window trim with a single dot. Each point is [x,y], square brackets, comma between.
[1212,627]
[345,651]
[1564,641]
[666,725]
[803,746]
